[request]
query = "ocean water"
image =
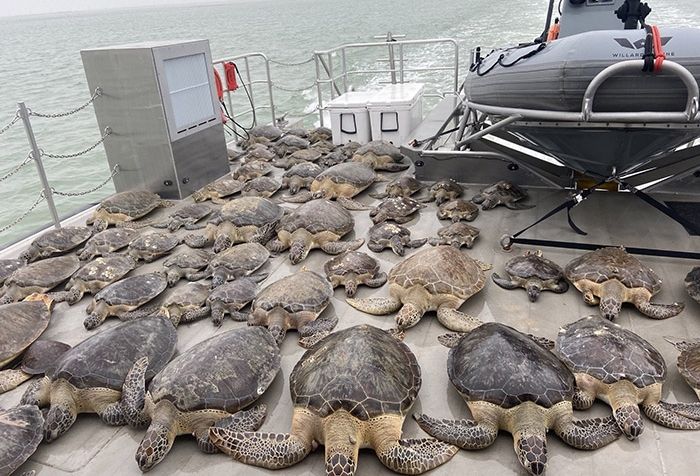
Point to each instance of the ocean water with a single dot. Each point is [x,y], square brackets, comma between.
[40,65]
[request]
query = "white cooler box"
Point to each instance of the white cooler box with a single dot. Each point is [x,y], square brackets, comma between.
[395,111]
[350,118]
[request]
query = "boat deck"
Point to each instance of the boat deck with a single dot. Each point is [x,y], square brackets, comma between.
[92,448]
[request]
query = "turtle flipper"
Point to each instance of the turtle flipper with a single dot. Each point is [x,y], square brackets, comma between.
[316,330]
[267,450]
[682,343]
[415,455]
[244,420]
[11,379]
[298,251]
[378,281]
[350,204]
[337,247]
[670,419]
[139,313]
[588,434]
[301,197]
[543,342]
[195,314]
[417,243]
[377,306]
[451,339]
[457,321]
[467,434]
[688,410]
[504,283]
[659,311]
[133,397]
[582,399]
[37,393]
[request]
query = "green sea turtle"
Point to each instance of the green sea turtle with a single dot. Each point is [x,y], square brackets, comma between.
[251,170]
[185,304]
[511,383]
[186,264]
[299,157]
[230,298]
[502,193]
[391,235]
[534,273]
[8,266]
[351,390]
[125,207]
[289,144]
[444,190]
[236,262]
[381,155]
[403,186]
[89,377]
[300,176]
[611,277]
[38,277]
[209,385]
[151,246]
[56,242]
[457,209]
[259,152]
[397,209]
[218,190]
[320,134]
[96,275]
[457,234]
[263,134]
[438,279]
[261,187]
[187,216]
[334,157]
[20,435]
[107,241]
[353,268]
[692,283]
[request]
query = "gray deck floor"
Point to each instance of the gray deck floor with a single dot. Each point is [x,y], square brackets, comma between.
[91,448]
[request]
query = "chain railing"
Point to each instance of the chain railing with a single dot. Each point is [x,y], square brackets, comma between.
[10,124]
[97,93]
[17,220]
[115,171]
[107,132]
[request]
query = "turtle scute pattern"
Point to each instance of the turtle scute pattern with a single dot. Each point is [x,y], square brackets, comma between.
[613,263]
[319,215]
[302,291]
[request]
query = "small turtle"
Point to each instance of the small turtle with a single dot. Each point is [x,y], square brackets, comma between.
[315,224]
[350,148]
[534,273]
[622,369]
[457,234]
[107,241]
[260,153]
[688,363]
[187,216]
[186,265]
[123,296]
[334,157]
[89,377]
[692,283]
[210,385]
[251,170]
[56,242]
[298,131]
[262,135]
[350,391]
[398,209]
[457,210]
[299,157]
[390,235]
[300,176]
[261,187]
[96,275]
[37,359]
[218,190]
[245,219]
[502,193]
[353,268]
[125,207]
[444,190]
[289,144]
[151,246]
[381,155]
[435,279]
[20,435]
[230,298]
[611,276]
[235,262]
[295,302]
[184,304]
[511,383]
[320,134]
[38,277]
[8,266]
[403,186]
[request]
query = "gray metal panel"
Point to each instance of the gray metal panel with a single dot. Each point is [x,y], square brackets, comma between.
[198,159]
[591,15]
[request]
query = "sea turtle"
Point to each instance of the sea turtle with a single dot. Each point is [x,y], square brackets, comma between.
[230,298]
[262,135]
[390,235]
[122,297]
[151,246]
[403,186]
[233,263]
[353,268]
[89,377]
[320,134]
[56,242]
[334,157]
[444,190]
[37,359]
[511,383]
[688,362]
[692,283]
[298,131]
[300,176]
[38,277]
[209,385]
[183,304]
[398,209]
[295,302]
[251,170]
[261,153]
[502,193]
[107,241]
[534,273]
[381,155]
[352,390]
[289,144]
[457,210]
[611,276]
[315,224]
[218,190]
[457,234]
[299,157]
[185,265]
[96,275]
[261,187]
[125,207]
[349,148]
[325,147]
[244,219]
[435,279]
[8,266]
[624,370]
[187,216]
[20,435]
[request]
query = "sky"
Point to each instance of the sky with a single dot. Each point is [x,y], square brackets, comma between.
[31,7]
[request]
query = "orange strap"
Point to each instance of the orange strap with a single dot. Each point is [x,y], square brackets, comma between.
[553,32]
[659,54]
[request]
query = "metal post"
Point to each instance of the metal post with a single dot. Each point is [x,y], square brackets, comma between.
[330,75]
[250,90]
[318,89]
[36,155]
[345,70]
[392,61]
[269,90]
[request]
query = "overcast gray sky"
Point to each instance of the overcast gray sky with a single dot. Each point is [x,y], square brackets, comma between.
[30,7]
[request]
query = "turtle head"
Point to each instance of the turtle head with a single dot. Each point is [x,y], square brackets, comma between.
[342,447]
[30,254]
[610,306]
[62,413]
[218,278]
[45,298]
[99,225]
[159,437]
[172,276]
[534,288]
[531,448]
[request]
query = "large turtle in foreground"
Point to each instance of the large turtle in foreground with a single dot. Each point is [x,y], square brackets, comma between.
[351,390]
[511,383]
[89,377]
[20,435]
[611,277]
[435,279]
[38,277]
[56,242]
[210,385]
[125,207]
[619,367]
[534,273]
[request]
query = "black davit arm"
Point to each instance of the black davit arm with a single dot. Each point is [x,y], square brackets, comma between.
[632,13]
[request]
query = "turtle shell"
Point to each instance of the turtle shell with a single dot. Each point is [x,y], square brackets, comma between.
[303,170]
[440,270]
[689,365]
[402,186]
[532,265]
[501,191]
[22,323]
[104,359]
[111,239]
[291,142]
[385,230]
[458,230]
[301,291]
[609,353]
[317,216]
[255,168]
[240,291]
[261,185]
[60,240]
[692,283]
[379,148]
[104,269]
[266,131]
[189,259]
[251,211]
[497,364]
[135,290]
[8,266]
[134,203]
[308,155]
[605,264]
[46,273]
[21,431]
[353,173]
[362,370]
[224,187]
[157,242]
[446,184]
[244,256]
[320,133]
[397,207]
[41,356]
[226,372]
[351,262]
[191,294]
[193,211]
[457,206]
